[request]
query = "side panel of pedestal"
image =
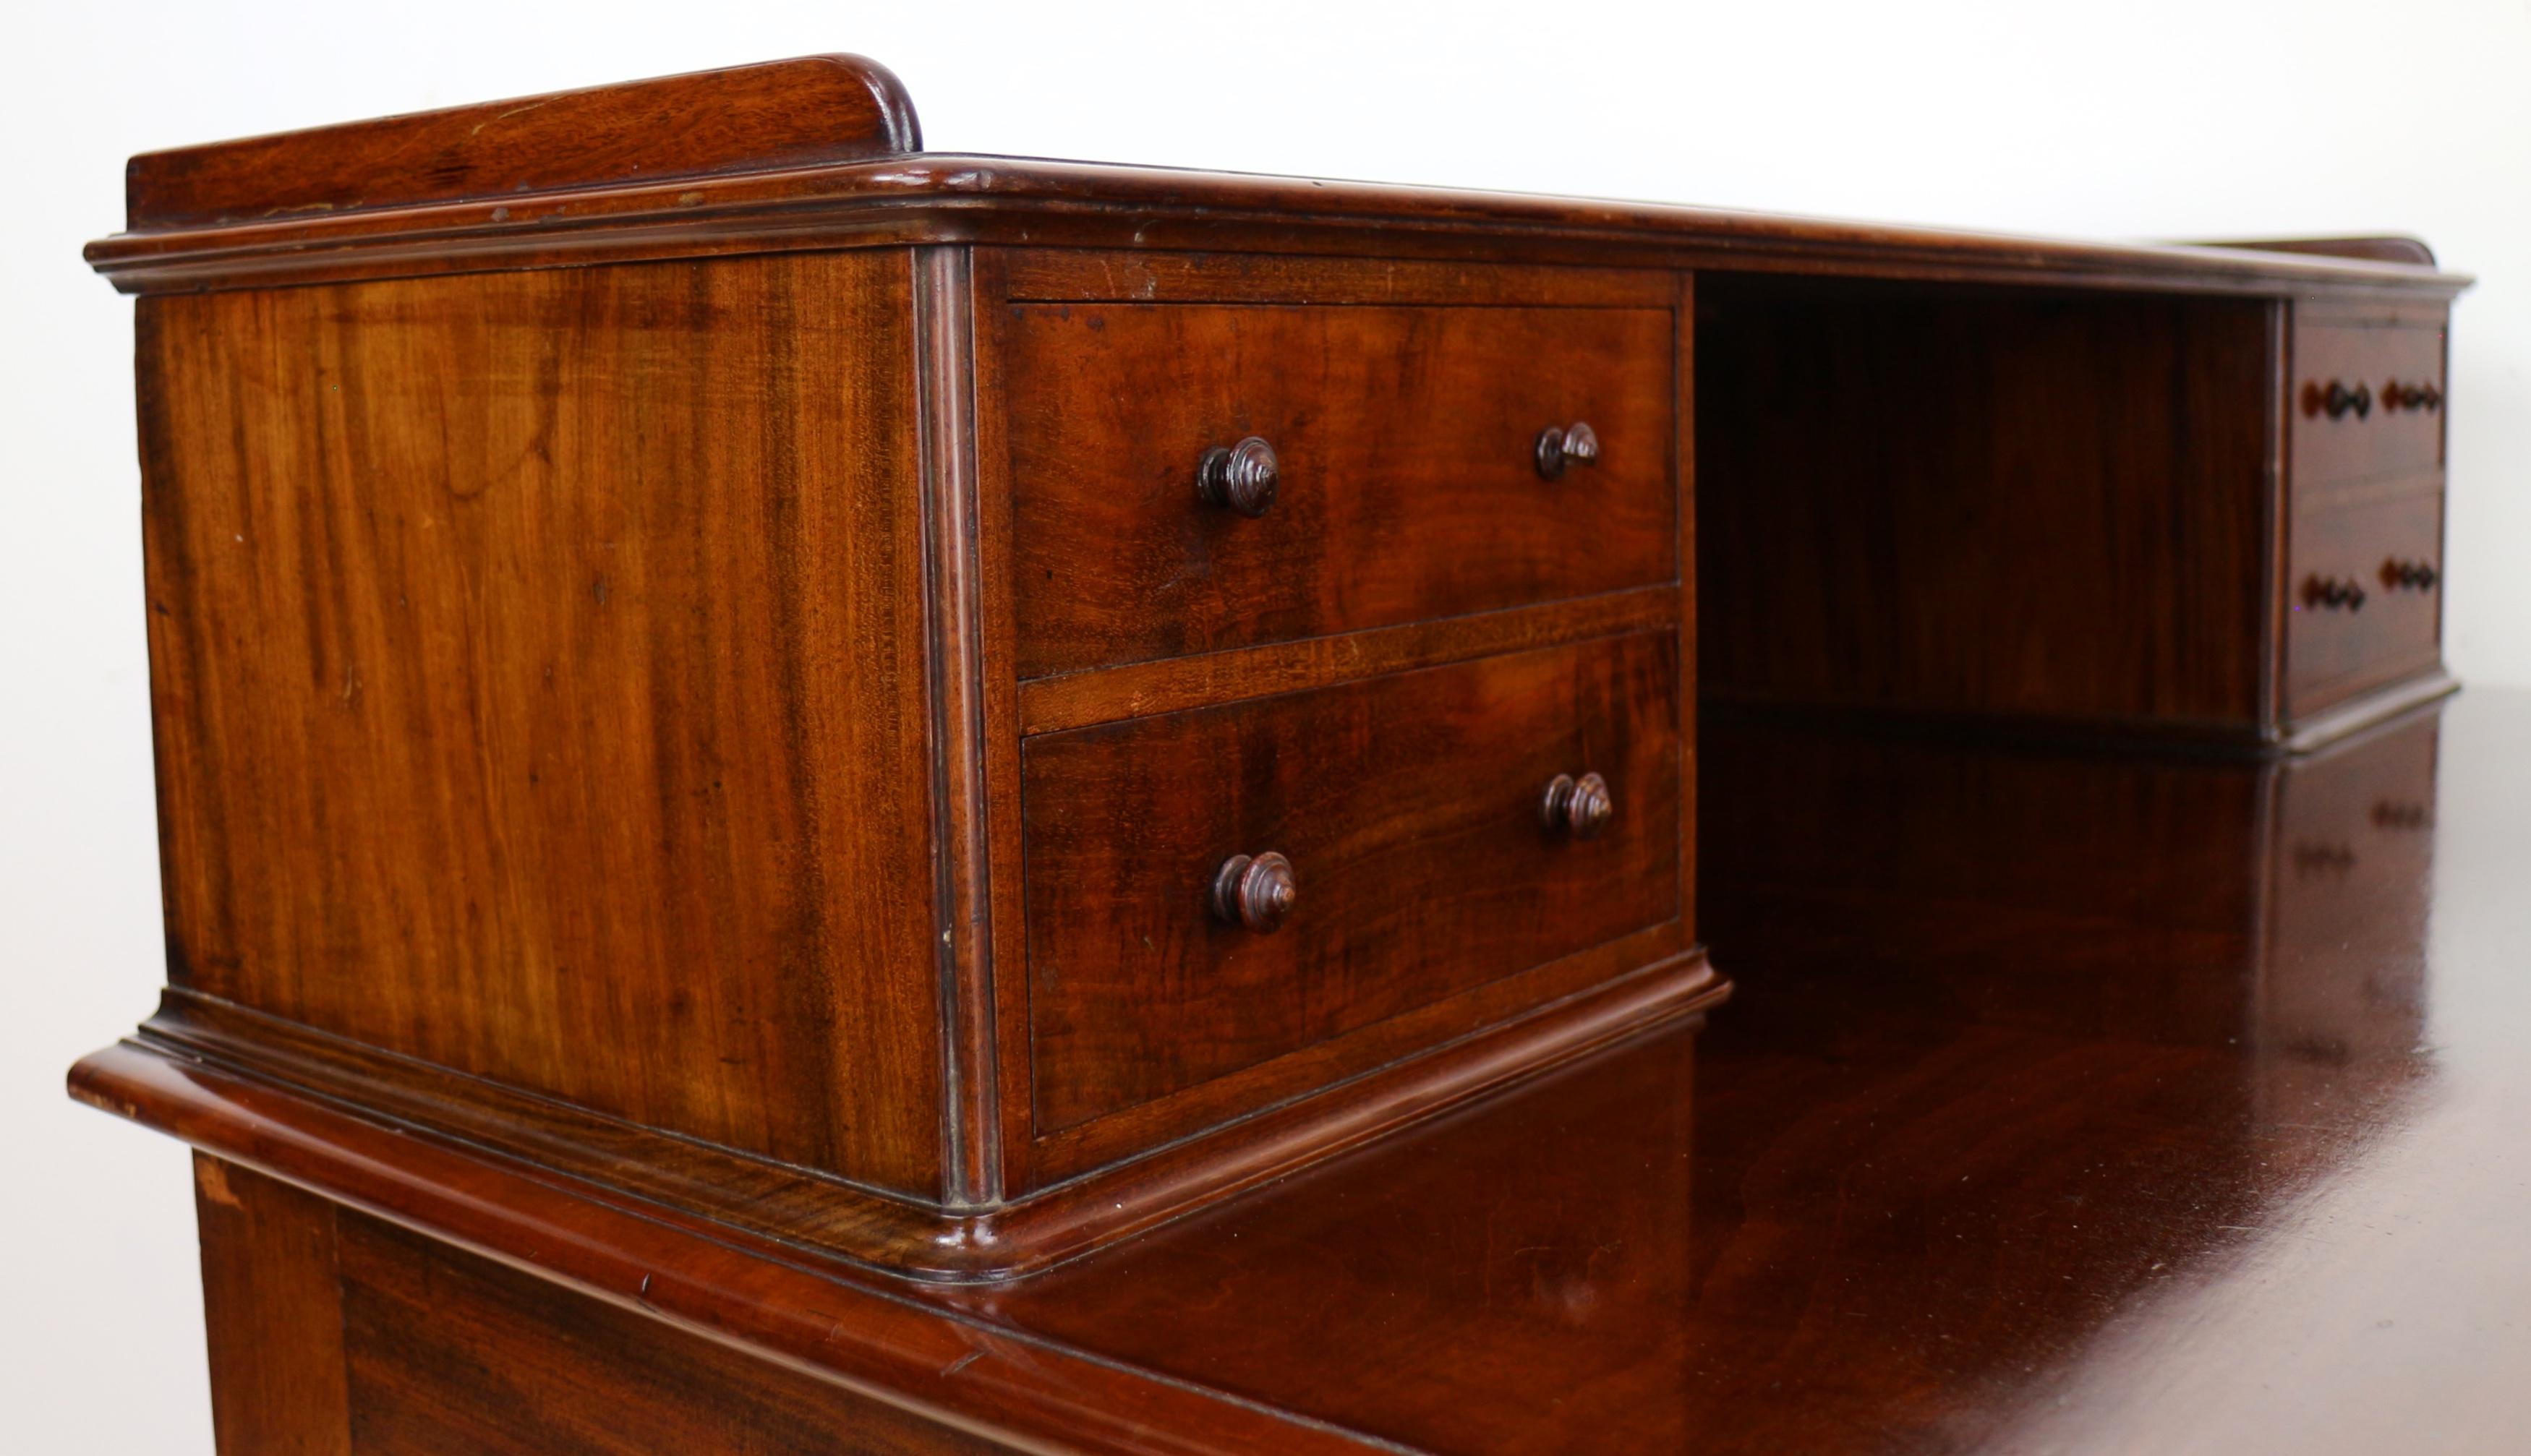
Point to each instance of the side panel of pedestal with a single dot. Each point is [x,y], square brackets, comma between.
[537,672]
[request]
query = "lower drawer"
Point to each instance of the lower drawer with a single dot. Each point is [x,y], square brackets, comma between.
[1409,810]
[2364,603]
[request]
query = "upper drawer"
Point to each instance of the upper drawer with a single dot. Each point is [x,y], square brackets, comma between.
[1408,481]
[2367,402]
[2364,596]
[1409,810]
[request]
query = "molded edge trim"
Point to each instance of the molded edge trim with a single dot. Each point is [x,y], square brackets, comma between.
[403,1103]
[998,1382]
[2366,710]
[943,198]
[2385,248]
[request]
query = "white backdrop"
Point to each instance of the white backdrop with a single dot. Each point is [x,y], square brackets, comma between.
[2153,118]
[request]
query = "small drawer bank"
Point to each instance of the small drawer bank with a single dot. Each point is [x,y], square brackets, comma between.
[934,712]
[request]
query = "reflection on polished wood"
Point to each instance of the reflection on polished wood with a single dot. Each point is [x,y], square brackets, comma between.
[757,731]
[2072,1102]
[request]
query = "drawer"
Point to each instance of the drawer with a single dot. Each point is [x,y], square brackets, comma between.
[2360,613]
[2367,403]
[1406,465]
[1409,810]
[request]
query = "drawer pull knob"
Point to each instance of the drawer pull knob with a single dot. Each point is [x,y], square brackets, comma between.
[1256,891]
[2334,593]
[2338,400]
[2413,576]
[1241,477]
[1579,807]
[1560,445]
[2427,396]
[2393,813]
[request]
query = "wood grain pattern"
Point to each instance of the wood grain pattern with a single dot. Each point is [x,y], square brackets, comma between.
[817,109]
[966,736]
[945,198]
[2035,1140]
[555,537]
[2333,654]
[1409,805]
[1982,503]
[1172,684]
[1062,275]
[1408,483]
[215,1077]
[2119,1087]
[273,1315]
[451,1355]
[537,660]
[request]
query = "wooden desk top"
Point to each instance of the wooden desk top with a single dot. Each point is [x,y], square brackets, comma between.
[826,153]
[2070,1157]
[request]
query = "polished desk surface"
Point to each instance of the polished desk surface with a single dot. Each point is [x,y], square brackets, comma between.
[2068,1102]
[1965,1192]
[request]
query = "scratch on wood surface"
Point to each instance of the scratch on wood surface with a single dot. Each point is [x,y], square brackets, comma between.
[505,116]
[212,1178]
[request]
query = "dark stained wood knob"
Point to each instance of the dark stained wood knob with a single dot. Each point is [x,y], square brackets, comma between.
[1256,891]
[2335,593]
[1242,477]
[2409,576]
[2395,814]
[2336,400]
[2426,396]
[1579,807]
[1560,445]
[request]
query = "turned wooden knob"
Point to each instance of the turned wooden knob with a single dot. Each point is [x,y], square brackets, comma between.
[1241,477]
[2399,396]
[1560,445]
[1256,891]
[2336,400]
[2413,576]
[1579,807]
[2334,593]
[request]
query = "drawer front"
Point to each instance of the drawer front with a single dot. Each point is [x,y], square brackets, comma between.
[1407,475]
[2367,404]
[2364,603]
[1409,808]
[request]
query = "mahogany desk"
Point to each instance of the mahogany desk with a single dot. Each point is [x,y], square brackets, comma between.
[2182,1111]
[928,794]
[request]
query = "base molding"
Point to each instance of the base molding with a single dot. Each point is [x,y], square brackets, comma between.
[2367,709]
[218,1051]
